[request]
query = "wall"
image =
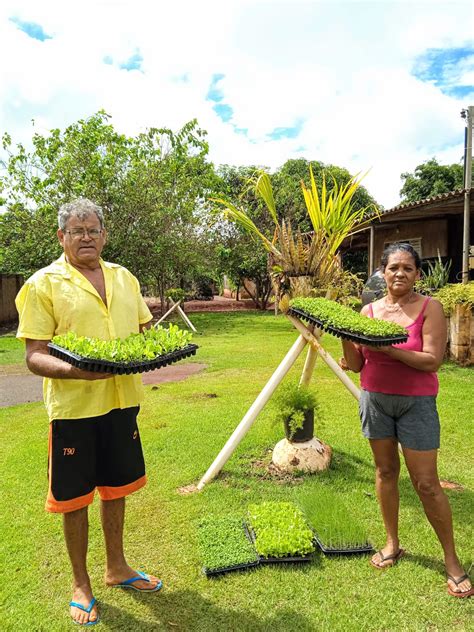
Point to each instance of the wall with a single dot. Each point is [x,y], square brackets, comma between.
[9,287]
[433,233]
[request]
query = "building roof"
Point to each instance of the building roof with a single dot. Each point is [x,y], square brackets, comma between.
[446,200]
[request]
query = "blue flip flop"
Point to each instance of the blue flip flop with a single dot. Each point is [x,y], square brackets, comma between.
[128,583]
[84,609]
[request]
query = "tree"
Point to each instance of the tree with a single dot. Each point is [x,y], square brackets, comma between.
[152,188]
[240,257]
[430,179]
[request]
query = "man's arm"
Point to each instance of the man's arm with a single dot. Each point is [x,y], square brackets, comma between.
[40,362]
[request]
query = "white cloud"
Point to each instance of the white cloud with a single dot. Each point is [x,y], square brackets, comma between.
[344,68]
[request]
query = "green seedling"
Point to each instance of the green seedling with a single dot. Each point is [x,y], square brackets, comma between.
[148,345]
[280,530]
[343,318]
[223,543]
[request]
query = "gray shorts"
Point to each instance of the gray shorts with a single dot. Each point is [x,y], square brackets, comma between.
[412,420]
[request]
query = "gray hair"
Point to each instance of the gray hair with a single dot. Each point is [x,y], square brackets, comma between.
[80,208]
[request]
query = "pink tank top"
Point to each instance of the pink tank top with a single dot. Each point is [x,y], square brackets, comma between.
[382,374]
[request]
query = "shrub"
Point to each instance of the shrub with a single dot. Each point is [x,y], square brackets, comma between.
[292,401]
[456,294]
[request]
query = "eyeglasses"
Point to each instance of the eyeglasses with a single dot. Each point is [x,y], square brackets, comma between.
[76,233]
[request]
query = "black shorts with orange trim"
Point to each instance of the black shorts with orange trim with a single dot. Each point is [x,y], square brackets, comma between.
[103,453]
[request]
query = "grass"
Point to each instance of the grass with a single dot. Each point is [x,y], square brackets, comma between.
[12,350]
[183,427]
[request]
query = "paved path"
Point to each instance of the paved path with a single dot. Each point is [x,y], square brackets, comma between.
[25,387]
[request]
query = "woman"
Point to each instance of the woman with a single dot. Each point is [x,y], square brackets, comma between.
[398,405]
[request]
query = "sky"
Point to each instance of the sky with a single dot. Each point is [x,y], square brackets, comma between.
[370,86]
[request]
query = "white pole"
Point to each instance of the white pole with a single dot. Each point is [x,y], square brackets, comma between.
[252,413]
[309,364]
[186,319]
[171,309]
[332,364]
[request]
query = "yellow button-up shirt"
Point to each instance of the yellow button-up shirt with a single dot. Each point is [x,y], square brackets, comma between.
[59,299]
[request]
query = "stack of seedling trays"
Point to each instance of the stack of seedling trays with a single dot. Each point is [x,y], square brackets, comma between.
[274,533]
[344,322]
[138,353]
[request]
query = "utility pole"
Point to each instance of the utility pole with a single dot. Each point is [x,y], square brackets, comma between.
[468,116]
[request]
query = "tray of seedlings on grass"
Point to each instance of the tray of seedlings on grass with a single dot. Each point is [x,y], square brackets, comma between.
[336,531]
[224,545]
[344,322]
[280,532]
[152,349]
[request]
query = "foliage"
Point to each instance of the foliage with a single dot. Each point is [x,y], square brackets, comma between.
[456,294]
[430,179]
[292,401]
[147,345]
[286,182]
[280,530]
[295,254]
[152,188]
[238,257]
[222,543]
[344,318]
[436,277]
[327,514]
[176,294]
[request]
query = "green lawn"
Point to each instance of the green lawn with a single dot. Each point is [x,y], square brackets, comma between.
[12,351]
[183,426]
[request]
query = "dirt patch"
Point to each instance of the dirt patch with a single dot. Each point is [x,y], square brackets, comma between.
[218,304]
[451,485]
[173,373]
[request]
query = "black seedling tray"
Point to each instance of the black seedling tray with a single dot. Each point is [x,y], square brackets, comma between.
[277,560]
[121,368]
[228,569]
[236,567]
[378,341]
[367,548]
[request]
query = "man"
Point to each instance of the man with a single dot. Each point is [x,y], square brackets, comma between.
[94,440]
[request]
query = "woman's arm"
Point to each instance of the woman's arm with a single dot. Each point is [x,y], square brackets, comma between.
[434,334]
[352,356]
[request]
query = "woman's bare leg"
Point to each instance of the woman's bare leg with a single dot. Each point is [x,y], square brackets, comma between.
[387,471]
[422,467]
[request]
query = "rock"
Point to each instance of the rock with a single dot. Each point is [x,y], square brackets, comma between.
[310,456]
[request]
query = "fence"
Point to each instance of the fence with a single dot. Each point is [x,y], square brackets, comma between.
[9,287]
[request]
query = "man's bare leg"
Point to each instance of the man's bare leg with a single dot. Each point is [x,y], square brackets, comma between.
[76,532]
[112,513]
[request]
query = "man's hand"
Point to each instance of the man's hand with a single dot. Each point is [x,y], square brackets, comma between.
[40,362]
